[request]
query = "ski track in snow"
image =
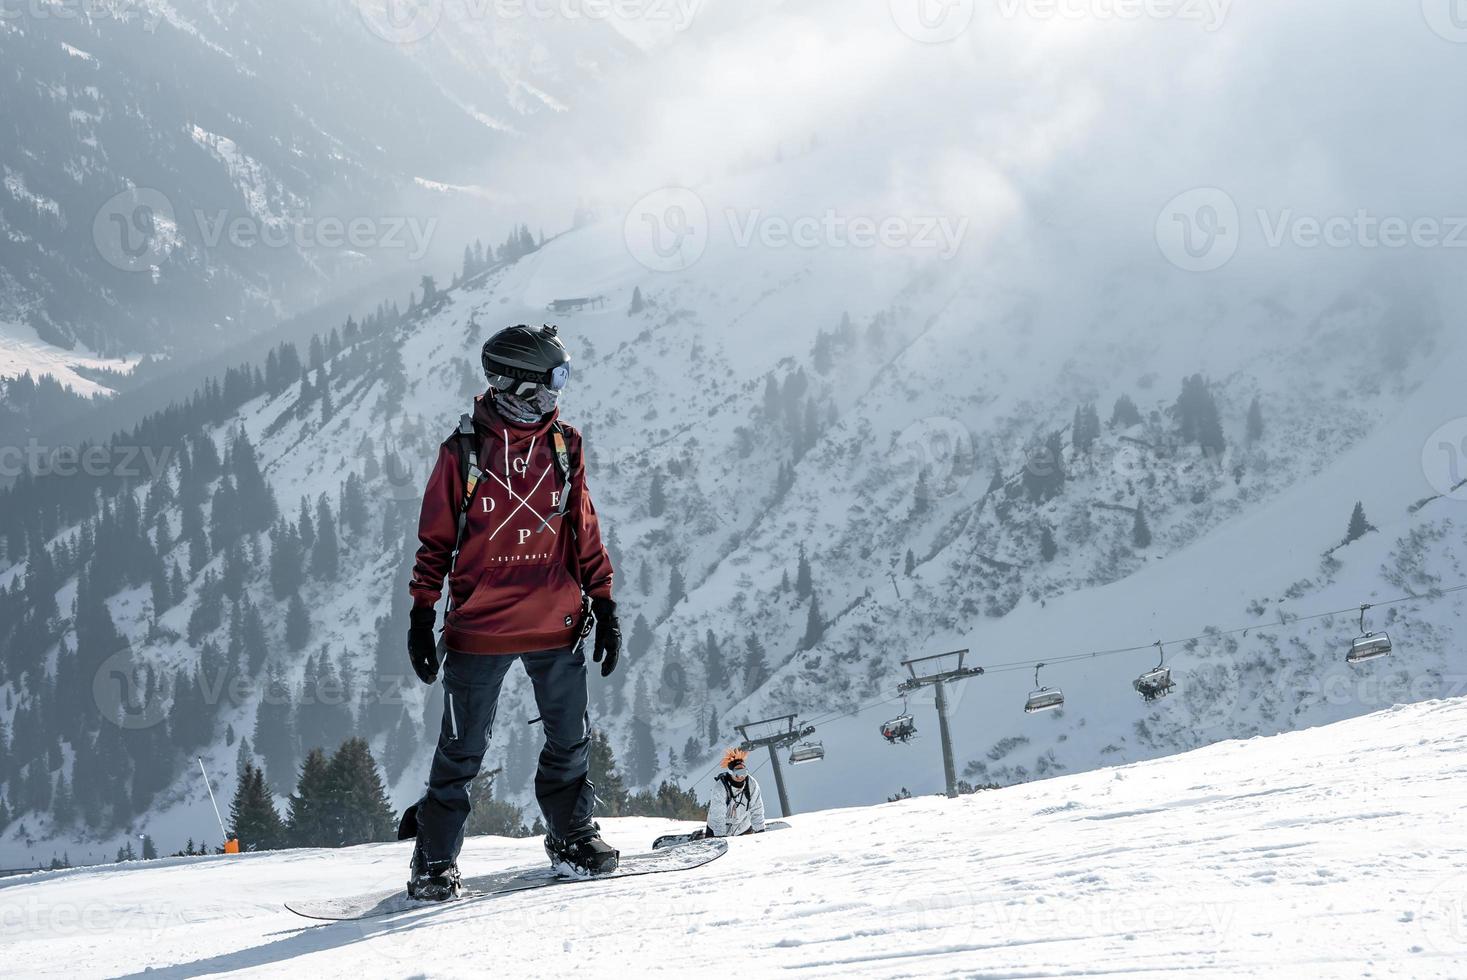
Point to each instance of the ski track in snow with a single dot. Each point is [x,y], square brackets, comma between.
[1311,854]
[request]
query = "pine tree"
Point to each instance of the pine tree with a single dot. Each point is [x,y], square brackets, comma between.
[287,560]
[1125,413]
[909,565]
[756,666]
[1140,530]
[1359,526]
[498,818]
[63,805]
[253,819]
[804,578]
[611,793]
[814,625]
[639,643]
[642,753]
[657,500]
[297,625]
[275,735]
[1255,421]
[354,508]
[713,729]
[714,665]
[1047,547]
[676,589]
[325,558]
[256,499]
[637,304]
[364,812]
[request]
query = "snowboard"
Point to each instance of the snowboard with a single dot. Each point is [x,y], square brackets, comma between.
[375,904]
[678,840]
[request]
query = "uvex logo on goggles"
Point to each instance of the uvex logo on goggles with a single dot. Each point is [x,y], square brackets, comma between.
[555,379]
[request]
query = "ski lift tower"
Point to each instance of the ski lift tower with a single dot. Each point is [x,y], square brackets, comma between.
[774,734]
[934,672]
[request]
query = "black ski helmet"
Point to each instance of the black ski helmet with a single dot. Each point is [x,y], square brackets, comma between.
[521,355]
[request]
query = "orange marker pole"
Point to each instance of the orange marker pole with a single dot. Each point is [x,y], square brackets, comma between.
[231,845]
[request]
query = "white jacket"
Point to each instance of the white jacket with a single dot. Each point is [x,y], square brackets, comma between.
[735,810]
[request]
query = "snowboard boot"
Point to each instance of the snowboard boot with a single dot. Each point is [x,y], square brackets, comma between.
[436,882]
[583,855]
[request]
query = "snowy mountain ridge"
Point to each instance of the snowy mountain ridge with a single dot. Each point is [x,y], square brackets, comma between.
[859,471]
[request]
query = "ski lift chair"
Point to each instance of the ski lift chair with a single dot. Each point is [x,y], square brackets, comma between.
[807,752]
[1044,698]
[1368,646]
[1156,682]
[899,729]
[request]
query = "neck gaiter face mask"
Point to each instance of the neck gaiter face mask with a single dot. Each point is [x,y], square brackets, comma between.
[526,409]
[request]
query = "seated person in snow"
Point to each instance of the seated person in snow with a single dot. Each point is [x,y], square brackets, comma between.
[737,806]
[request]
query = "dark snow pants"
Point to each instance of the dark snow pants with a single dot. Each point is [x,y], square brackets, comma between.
[471,684]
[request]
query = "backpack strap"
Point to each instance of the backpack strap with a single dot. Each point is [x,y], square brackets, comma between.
[560,454]
[468,458]
[562,464]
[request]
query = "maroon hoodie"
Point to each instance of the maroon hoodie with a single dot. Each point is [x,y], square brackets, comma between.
[522,569]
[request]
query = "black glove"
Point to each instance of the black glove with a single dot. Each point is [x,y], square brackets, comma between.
[608,635]
[422,647]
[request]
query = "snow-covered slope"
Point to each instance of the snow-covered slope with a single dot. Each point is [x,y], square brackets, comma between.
[1321,853]
[854,405]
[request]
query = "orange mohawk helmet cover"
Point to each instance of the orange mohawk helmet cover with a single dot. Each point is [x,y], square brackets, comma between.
[732,756]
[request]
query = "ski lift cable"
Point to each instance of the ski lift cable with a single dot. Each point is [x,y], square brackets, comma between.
[1026,665]
[1211,634]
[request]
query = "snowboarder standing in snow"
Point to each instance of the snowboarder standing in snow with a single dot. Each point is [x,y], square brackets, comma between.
[737,806]
[508,521]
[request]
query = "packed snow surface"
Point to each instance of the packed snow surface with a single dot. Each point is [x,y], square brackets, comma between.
[1319,853]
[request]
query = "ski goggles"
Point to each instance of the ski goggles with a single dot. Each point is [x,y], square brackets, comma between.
[736,773]
[555,379]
